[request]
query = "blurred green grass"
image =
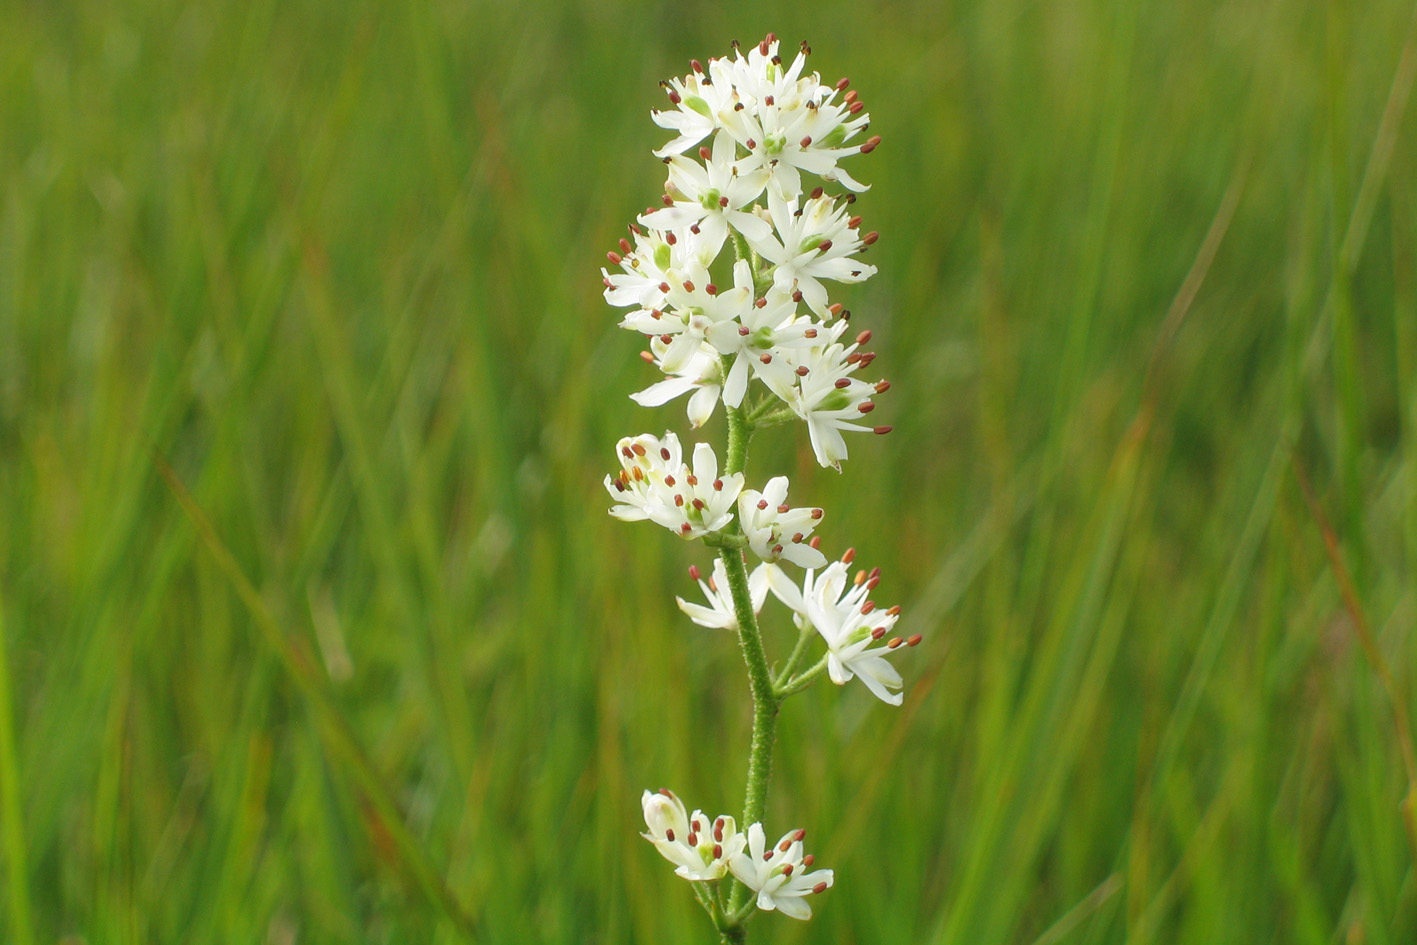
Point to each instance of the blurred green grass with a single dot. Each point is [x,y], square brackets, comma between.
[337,265]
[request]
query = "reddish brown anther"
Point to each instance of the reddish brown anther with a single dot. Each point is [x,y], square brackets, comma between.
[678,501]
[750,143]
[624,246]
[849,557]
[664,287]
[816,541]
[787,869]
[883,386]
[767,100]
[699,504]
[692,479]
[800,372]
[877,633]
[711,289]
[806,141]
[867,407]
[881,431]
[869,606]
[820,888]
[853,223]
[817,515]
[870,238]
[810,332]
[808,860]
[849,96]
[705,153]
[685,529]
[688,286]
[669,238]
[826,245]
[914,640]
[842,383]
[667,200]
[766,358]
[718,850]
[894,611]
[760,303]
[694,572]
[669,481]
[817,193]
[637,448]
[743,331]
[762,505]
[864,337]
[664,453]
[669,835]
[647,356]
[674,97]
[871,143]
[855,108]
[797,297]
[614,258]
[718,485]
[696,65]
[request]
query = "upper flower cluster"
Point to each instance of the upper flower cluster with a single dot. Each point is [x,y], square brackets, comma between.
[747,129]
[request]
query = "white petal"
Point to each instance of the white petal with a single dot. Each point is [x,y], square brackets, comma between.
[663,392]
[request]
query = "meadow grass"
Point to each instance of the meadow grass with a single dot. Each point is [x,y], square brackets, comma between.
[315,628]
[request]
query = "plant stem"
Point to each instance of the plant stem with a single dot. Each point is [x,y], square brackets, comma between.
[765,700]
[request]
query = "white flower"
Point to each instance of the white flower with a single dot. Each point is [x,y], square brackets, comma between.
[699,846]
[701,373]
[814,243]
[849,623]
[693,306]
[655,484]
[828,397]
[720,614]
[711,196]
[779,875]
[795,123]
[775,531]
[756,341]
[698,101]
[646,266]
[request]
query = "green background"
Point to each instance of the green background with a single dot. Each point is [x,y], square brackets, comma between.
[1144,268]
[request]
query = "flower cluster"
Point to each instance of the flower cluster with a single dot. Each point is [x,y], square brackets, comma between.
[766,123]
[705,849]
[758,332]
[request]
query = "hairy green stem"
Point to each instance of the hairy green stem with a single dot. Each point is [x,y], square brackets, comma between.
[765,700]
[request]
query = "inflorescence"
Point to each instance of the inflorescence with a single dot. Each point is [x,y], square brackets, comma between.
[762,336]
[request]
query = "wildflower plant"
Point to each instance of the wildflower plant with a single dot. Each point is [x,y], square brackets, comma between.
[754,166]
